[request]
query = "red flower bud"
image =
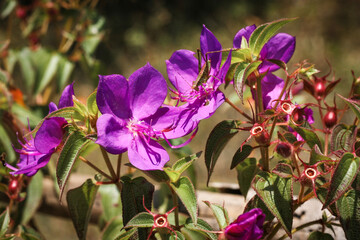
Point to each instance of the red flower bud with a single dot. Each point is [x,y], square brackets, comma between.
[320,89]
[298,116]
[330,118]
[13,186]
[21,12]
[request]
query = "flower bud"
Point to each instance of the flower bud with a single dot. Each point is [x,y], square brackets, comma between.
[298,116]
[319,89]
[13,186]
[330,118]
[284,149]
[21,12]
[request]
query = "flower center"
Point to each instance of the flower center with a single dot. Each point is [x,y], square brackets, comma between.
[256,130]
[160,221]
[310,173]
[287,108]
[138,127]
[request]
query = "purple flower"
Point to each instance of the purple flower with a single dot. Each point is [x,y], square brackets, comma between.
[132,119]
[65,99]
[279,47]
[198,88]
[247,226]
[36,152]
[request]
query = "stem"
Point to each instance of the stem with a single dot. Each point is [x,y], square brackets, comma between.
[294,159]
[95,167]
[326,142]
[111,169]
[238,109]
[301,194]
[274,231]
[118,168]
[273,127]
[319,221]
[176,203]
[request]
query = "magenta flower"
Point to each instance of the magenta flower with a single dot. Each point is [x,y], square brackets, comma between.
[132,119]
[279,47]
[200,95]
[247,226]
[66,99]
[36,152]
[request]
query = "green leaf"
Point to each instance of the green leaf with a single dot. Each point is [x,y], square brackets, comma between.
[92,105]
[220,213]
[246,171]
[283,170]
[186,192]
[199,227]
[348,206]
[126,235]
[320,236]
[308,135]
[354,105]
[141,220]
[47,72]
[28,233]
[4,222]
[179,236]
[263,33]
[80,201]
[110,199]
[216,142]
[241,154]
[33,197]
[256,202]
[343,138]
[112,229]
[27,68]
[316,156]
[276,193]
[240,55]
[68,155]
[180,166]
[6,144]
[242,72]
[65,68]
[132,195]
[7,8]
[343,176]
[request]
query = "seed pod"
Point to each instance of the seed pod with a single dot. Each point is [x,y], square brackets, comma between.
[284,149]
[319,89]
[330,118]
[260,134]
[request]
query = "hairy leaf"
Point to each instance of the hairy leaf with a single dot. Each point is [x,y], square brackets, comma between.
[348,206]
[73,146]
[80,201]
[276,193]
[240,155]
[216,142]
[246,171]
[343,176]
[186,192]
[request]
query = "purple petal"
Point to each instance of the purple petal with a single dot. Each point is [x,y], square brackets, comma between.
[113,96]
[244,32]
[209,43]
[174,122]
[247,226]
[207,107]
[147,91]
[113,134]
[66,96]
[223,71]
[271,88]
[52,107]
[147,155]
[182,69]
[32,167]
[280,47]
[50,134]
